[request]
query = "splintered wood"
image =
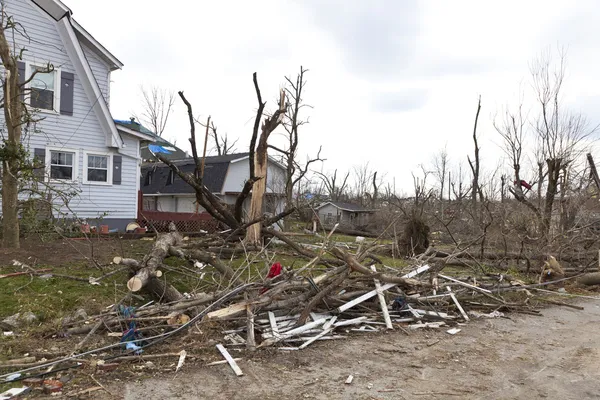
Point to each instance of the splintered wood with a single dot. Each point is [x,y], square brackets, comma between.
[360,312]
[230,360]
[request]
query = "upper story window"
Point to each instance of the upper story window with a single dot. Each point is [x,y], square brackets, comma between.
[44,88]
[171,177]
[97,168]
[62,164]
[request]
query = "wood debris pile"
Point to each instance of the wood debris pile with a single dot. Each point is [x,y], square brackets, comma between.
[336,293]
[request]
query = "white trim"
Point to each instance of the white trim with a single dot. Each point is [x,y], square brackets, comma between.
[100,50]
[29,65]
[270,159]
[90,86]
[135,133]
[109,166]
[75,176]
[343,209]
[56,10]
[168,195]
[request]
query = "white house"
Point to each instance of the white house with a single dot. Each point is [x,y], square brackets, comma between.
[224,175]
[346,214]
[83,150]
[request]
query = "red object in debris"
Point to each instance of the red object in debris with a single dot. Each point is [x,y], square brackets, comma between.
[85,228]
[33,382]
[525,185]
[104,229]
[274,271]
[107,367]
[52,386]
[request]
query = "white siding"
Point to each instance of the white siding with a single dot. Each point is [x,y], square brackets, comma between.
[82,131]
[239,173]
[187,204]
[328,214]
[166,203]
[101,72]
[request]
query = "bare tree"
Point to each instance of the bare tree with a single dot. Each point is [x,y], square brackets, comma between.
[475,164]
[457,180]
[222,144]
[295,171]
[559,133]
[157,105]
[440,169]
[334,188]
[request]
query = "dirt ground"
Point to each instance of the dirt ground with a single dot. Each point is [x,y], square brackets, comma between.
[554,356]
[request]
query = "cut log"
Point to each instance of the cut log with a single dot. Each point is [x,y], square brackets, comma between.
[153,260]
[589,279]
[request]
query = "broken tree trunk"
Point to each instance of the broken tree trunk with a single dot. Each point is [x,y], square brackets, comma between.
[253,233]
[149,266]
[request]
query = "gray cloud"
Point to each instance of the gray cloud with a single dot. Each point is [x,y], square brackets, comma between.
[377,36]
[399,101]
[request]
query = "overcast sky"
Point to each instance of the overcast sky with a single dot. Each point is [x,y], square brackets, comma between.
[390,81]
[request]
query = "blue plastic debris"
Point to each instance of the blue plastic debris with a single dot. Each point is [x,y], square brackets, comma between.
[399,303]
[131,337]
[158,149]
[136,349]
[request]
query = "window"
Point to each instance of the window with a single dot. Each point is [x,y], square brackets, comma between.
[61,165]
[43,88]
[148,179]
[171,177]
[97,168]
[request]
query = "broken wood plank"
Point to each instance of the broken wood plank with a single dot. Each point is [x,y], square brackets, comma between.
[221,362]
[304,328]
[227,311]
[230,360]
[330,323]
[455,300]
[382,302]
[372,293]
[461,283]
[273,323]
[354,321]
[315,338]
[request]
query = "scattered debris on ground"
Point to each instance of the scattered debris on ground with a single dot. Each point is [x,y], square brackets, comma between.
[335,293]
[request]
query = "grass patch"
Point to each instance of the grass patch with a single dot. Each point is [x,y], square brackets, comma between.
[54,297]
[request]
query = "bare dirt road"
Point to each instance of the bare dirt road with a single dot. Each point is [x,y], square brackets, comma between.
[556,356]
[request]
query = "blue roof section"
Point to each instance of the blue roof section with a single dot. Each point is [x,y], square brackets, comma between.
[159,145]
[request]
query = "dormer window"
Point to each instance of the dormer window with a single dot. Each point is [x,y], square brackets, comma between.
[171,177]
[44,88]
[148,179]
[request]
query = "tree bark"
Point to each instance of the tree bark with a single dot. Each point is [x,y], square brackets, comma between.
[13,115]
[152,261]
[554,167]
[256,204]
[253,233]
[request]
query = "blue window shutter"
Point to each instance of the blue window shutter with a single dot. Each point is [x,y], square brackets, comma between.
[117,164]
[66,93]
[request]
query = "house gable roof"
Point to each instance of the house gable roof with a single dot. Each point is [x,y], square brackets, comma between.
[214,178]
[351,207]
[57,10]
[216,168]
